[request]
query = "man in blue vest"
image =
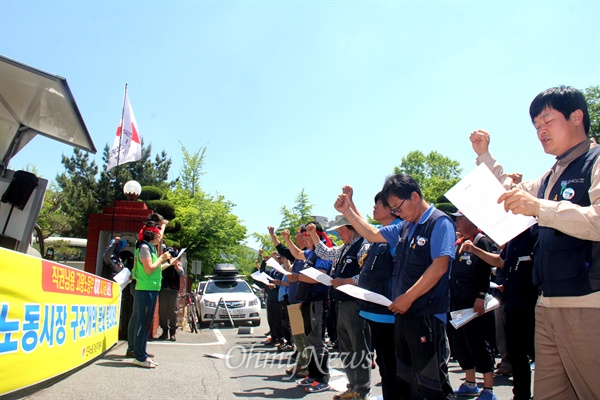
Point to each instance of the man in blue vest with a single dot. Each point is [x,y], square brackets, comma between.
[420,287]
[566,203]
[354,336]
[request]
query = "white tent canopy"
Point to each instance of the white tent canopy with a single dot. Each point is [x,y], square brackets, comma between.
[34,102]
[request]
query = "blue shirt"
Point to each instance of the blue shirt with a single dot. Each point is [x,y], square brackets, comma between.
[443,237]
[283,290]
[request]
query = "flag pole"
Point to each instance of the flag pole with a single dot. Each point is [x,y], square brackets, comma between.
[121,125]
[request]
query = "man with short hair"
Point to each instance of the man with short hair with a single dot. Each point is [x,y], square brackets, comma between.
[313,308]
[566,203]
[354,336]
[424,249]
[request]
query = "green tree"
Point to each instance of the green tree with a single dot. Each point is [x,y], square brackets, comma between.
[191,170]
[298,215]
[78,192]
[592,95]
[209,231]
[434,172]
[51,220]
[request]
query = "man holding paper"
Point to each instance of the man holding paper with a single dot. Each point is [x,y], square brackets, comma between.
[424,249]
[354,336]
[318,366]
[566,203]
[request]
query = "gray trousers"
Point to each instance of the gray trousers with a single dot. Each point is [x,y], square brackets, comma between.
[354,341]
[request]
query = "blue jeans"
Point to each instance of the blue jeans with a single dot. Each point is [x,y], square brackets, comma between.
[145,304]
[132,322]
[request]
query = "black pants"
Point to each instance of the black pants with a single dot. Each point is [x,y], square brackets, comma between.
[383,340]
[471,344]
[274,320]
[422,353]
[331,321]
[286,329]
[520,332]
[167,311]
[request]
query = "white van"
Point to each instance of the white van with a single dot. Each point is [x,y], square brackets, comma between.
[65,250]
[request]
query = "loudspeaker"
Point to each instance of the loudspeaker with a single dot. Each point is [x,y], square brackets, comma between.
[20,189]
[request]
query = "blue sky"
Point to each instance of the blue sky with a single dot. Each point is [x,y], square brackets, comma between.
[292,95]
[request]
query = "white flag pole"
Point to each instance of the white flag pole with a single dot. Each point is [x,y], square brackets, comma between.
[122,126]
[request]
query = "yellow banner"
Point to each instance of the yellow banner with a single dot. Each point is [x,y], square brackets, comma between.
[53,318]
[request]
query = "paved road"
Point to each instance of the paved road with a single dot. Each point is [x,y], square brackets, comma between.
[212,364]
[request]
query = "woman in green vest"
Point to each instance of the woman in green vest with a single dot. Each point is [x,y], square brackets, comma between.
[148,272]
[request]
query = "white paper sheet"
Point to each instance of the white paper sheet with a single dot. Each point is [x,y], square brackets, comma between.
[364,294]
[461,317]
[317,275]
[123,278]
[476,196]
[276,266]
[261,277]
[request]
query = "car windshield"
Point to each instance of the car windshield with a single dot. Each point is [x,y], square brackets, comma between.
[227,287]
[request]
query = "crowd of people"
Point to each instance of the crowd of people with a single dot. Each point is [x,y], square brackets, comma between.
[429,263]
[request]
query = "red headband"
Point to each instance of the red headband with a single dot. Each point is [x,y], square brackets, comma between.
[151,229]
[326,237]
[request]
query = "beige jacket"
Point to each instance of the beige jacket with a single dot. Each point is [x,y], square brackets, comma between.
[569,218]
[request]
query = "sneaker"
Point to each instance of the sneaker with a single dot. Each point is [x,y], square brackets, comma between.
[486,394]
[305,382]
[285,348]
[348,395]
[163,337]
[143,364]
[317,387]
[151,360]
[131,354]
[503,371]
[466,390]
[172,338]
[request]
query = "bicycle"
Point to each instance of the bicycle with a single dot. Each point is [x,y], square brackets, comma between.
[191,312]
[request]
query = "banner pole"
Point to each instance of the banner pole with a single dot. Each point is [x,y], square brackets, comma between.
[112,222]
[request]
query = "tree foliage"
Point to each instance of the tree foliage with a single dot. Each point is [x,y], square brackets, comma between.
[210,232]
[592,95]
[292,219]
[191,170]
[434,172]
[77,187]
[51,220]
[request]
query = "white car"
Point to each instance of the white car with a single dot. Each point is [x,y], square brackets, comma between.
[234,293]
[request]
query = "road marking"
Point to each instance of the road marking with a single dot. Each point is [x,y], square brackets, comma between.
[220,340]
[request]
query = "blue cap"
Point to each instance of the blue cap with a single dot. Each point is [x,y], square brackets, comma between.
[119,246]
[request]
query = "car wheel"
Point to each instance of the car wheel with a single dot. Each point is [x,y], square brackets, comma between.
[204,324]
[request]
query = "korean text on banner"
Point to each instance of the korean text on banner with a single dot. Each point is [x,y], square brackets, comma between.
[53,318]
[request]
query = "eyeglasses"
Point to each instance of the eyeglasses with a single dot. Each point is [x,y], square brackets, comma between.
[397,210]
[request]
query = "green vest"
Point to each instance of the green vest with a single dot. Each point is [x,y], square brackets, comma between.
[144,281]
